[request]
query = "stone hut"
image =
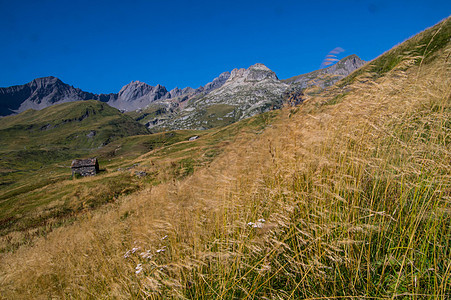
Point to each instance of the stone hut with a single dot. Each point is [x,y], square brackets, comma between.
[85,167]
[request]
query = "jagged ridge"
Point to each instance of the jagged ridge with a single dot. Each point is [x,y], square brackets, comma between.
[230,97]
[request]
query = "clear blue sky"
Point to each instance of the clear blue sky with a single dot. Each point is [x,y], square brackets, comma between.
[99,46]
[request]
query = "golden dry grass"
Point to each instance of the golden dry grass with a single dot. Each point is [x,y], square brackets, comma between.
[350,200]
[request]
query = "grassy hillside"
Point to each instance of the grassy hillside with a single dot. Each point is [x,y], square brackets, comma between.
[347,196]
[36,150]
[35,140]
[79,124]
[154,112]
[38,194]
[420,49]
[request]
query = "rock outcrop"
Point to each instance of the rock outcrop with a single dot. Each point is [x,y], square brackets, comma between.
[217,82]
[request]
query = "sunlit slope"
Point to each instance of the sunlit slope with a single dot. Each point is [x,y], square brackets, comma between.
[38,193]
[37,146]
[346,196]
[421,49]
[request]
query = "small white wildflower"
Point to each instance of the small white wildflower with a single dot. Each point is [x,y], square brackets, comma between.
[165,237]
[162,249]
[258,225]
[261,220]
[138,269]
[127,254]
[146,254]
[135,249]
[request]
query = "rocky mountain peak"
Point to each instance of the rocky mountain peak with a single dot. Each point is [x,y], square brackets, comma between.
[138,89]
[222,76]
[260,72]
[257,72]
[48,79]
[45,82]
[217,82]
[175,92]
[135,84]
[189,92]
[346,65]
[259,67]
[353,58]
[38,94]
[236,73]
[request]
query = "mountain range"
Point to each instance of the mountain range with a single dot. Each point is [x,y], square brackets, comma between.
[230,97]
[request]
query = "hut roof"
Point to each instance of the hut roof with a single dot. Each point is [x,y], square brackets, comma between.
[89,162]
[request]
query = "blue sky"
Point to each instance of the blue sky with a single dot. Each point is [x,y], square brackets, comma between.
[99,46]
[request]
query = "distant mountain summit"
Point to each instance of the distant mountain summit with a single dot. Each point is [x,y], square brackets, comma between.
[40,93]
[257,72]
[246,92]
[230,97]
[136,95]
[328,76]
